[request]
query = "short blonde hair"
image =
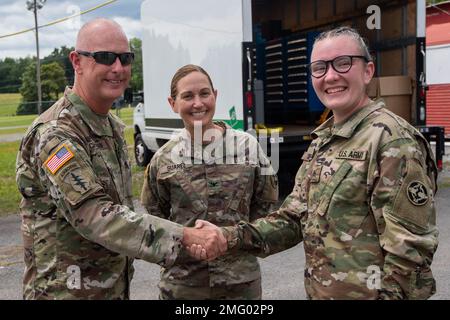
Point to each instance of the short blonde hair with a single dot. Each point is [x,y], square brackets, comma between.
[349,32]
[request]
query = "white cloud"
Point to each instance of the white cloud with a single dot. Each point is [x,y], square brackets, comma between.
[15,17]
[131,27]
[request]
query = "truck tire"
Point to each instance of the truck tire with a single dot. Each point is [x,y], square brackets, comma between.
[141,153]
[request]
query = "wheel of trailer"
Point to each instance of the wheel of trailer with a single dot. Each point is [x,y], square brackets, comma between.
[141,153]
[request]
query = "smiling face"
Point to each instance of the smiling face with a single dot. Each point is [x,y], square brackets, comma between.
[343,93]
[195,101]
[98,84]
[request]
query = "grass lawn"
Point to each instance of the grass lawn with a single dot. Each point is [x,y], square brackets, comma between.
[8,118]
[14,121]
[136,171]
[125,114]
[13,130]
[9,103]
[9,195]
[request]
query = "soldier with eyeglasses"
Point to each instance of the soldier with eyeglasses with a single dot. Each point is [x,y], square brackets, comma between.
[80,232]
[363,202]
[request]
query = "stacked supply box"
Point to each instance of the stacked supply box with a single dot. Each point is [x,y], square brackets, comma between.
[396,91]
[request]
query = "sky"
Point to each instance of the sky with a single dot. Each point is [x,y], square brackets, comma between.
[15,17]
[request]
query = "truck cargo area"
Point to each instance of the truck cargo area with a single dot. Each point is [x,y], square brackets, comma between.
[283,34]
[257,53]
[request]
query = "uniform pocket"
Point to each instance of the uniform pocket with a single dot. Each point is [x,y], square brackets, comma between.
[189,197]
[75,183]
[331,187]
[106,170]
[345,216]
[241,187]
[422,285]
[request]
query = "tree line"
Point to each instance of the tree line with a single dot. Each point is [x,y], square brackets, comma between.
[19,76]
[434,1]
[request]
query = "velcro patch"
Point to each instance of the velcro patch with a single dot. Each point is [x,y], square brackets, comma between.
[352,155]
[417,193]
[58,158]
[315,176]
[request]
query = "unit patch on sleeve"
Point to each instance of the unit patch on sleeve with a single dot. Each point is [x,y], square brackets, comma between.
[417,193]
[58,158]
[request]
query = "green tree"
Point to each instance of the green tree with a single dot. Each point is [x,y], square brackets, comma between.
[7,67]
[434,1]
[53,82]
[10,72]
[61,55]
[136,68]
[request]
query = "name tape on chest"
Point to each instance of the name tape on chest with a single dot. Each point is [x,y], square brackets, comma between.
[357,155]
[174,167]
[58,159]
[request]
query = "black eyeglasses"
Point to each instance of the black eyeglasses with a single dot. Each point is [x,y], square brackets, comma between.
[341,64]
[108,58]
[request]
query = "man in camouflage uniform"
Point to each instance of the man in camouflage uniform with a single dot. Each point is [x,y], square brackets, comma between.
[363,198]
[73,172]
[212,172]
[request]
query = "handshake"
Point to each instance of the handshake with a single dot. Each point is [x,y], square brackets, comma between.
[205,241]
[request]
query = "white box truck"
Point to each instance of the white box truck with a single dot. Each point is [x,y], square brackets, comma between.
[257,52]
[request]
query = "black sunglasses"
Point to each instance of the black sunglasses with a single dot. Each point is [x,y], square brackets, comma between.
[108,58]
[341,64]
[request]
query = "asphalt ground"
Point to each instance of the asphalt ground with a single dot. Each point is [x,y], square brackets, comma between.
[282,273]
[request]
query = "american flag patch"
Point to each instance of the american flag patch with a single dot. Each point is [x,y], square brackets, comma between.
[58,158]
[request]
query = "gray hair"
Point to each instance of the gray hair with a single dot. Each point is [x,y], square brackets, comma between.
[349,32]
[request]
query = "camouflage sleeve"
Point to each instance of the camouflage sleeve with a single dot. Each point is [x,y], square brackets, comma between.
[404,210]
[265,193]
[155,197]
[276,232]
[77,191]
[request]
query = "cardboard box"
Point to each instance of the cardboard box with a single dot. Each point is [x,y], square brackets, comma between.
[396,92]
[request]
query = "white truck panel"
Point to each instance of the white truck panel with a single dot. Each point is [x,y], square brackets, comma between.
[438,67]
[173,38]
[421,12]
[247,22]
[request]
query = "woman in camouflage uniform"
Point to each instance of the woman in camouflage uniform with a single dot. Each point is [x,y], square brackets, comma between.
[363,202]
[212,172]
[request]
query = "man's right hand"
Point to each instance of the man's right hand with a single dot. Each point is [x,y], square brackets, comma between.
[205,241]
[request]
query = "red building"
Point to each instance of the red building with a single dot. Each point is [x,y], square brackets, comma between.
[438,65]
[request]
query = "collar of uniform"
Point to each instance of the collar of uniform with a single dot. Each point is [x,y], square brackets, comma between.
[98,123]
[197,149]
[347,128]
[324,129]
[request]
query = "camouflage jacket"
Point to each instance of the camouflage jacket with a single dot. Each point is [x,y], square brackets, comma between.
[218,182]
[363,204]
[77,224]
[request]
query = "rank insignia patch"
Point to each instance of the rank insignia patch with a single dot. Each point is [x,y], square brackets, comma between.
[417,193]
[58,159]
